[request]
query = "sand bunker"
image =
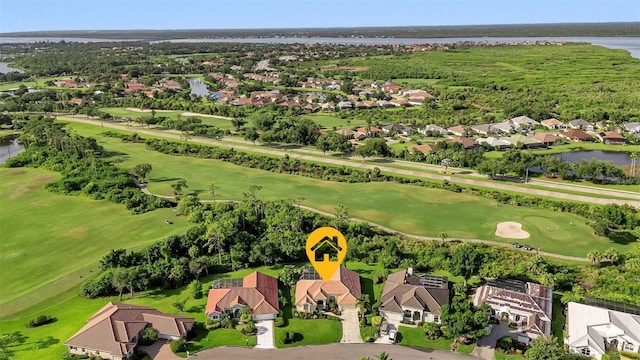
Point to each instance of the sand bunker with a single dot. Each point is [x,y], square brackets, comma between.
[511,230]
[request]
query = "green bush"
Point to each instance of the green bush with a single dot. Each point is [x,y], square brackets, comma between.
[149,336]
[370,339]
[40,320]
[179,345]
[363,321]
[630,355]
[279,322]
[212,324]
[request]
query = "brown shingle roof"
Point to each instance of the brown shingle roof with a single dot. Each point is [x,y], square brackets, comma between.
[259,291]
[577,135]
[404,289]
[112,329]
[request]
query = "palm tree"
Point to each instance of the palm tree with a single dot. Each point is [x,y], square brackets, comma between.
[364,304]
[444,235]
[612,255]
[211,189]
[594,256]
[383,356]
[446,163]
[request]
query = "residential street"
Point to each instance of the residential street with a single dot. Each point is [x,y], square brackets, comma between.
[328,352]
[336,161]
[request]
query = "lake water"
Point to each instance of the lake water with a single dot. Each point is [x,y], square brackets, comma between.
[5,68]
[631,44]
[9,147]
[198,88]
[618,158]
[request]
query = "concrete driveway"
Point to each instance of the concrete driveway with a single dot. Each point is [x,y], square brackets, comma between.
[265,334]
[160,350]
[350,327]
[384,338]
[486,345]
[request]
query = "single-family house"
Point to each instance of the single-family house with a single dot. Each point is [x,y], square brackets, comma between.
[257,291]
[483,129]
[342,290]
[345,105]
[553,123]
[431,130]
[394,129]
[546,138]
[385,104]
[524,142]
[407,296]
[592,331]
[399,102]
[371,131]
[494,142]
[113,332]
[466,142]
[346,133]
[527,305]
[458,130]
[632,127]
[612,138]
[580,124]
[505,128]
[424,148]
[576,135]
[328,107]
[524,122]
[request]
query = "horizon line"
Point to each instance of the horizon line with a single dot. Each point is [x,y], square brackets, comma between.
[322,27]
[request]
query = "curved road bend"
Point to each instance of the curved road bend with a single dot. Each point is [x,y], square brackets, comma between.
[329,352]
[483,183]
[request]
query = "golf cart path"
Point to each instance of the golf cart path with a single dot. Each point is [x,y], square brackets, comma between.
[172,134]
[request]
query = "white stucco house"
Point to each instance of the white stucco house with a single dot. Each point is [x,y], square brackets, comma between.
[593,330]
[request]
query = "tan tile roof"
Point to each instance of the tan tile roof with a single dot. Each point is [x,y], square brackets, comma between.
[112,329]
[259,291]
[344,284]
[545,137]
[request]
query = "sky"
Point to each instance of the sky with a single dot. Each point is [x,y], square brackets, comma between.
[33,15]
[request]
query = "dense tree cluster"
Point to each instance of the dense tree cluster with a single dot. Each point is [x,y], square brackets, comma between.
[80,162]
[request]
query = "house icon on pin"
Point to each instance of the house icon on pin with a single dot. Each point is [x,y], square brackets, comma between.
[327,249]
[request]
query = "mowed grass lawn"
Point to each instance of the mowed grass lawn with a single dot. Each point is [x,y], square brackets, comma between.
[415,337]
[51,242]
[309,332]
[47,342]
[171,114]
[411,209]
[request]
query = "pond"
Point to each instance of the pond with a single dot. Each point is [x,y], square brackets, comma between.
[5,68]
[9,147]
[618,158]
[198,88]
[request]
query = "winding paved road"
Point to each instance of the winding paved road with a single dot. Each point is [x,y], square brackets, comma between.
[241,145]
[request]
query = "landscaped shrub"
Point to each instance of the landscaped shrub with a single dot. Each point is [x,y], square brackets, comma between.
[212,324]
[39,321]
[630,355]
[179,345]
[370,339]
[279,322]
[506,343]
[363,321]
[149,336]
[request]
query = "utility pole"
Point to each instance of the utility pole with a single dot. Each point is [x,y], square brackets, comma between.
[633,157]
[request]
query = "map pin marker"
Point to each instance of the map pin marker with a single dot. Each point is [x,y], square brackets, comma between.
[326,249]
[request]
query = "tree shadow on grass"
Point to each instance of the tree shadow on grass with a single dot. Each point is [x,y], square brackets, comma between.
[44,343]
[196,309]
[367,288]
[164,179]
[622,237]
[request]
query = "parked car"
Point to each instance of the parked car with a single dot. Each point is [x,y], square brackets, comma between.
[169,222]
[516,245]
[527,247]
[392,336]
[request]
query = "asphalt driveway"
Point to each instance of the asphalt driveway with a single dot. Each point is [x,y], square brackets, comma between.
[486,345]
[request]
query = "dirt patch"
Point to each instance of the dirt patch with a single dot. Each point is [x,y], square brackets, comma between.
[146,110]
[77,233]
[189,113]
[15,172]
[347,68]
[40,179]
[511,230]
[40,204]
